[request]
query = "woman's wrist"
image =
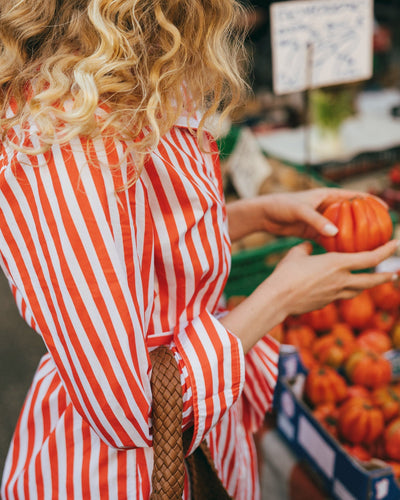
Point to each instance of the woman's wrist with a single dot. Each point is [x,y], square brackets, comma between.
[253,318]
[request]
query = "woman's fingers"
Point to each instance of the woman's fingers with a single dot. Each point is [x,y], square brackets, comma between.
[317,221]
[365,260]
[360,281]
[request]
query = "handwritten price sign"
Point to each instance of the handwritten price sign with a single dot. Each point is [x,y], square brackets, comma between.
[316,43]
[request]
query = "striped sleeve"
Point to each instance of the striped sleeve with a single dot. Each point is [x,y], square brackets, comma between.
[260,381]
[214,360]
[80,258]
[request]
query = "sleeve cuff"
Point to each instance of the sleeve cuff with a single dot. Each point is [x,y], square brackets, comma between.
[215,363]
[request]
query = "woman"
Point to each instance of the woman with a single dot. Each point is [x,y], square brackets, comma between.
[114,239]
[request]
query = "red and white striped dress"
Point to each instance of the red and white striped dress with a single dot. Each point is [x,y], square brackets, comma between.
[103,277]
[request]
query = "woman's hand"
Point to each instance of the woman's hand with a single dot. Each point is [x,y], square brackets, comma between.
[316,280]
[287,214]
[302,282]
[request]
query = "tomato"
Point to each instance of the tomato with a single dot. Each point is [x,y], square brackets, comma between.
[359,421]
[332,350]
[324,385]
[307,359]
[394,174]
[395,386]
[395,334]
[386,296]
[377,448]
[322,319]
[358,390]
[343,331]
[392,439]
[293,320]
[301,336]
[388,401]
[395,465]
[358,451]
[363,224]
[368,369]
[326,414]
[383,320]
[358,311]
[374,340]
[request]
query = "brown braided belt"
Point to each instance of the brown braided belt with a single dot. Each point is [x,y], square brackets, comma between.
[170,444]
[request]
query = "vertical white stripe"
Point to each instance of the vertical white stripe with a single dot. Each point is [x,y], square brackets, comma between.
[78,455]
[132,471]
[60,441]
[94,466]
[112,472]
[45,460]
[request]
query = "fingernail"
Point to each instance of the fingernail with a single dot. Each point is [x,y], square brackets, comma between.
[330,229]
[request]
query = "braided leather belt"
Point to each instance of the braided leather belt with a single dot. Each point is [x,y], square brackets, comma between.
[169,443]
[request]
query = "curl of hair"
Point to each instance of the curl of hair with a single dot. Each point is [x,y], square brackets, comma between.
[144,61]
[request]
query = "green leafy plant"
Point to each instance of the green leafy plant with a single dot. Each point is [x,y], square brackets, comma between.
[330,106]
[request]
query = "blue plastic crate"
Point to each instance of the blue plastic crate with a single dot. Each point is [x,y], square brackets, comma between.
[342,476]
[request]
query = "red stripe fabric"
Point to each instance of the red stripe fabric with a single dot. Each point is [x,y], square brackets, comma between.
[104,276]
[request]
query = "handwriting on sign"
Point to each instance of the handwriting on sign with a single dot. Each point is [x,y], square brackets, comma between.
[317,43]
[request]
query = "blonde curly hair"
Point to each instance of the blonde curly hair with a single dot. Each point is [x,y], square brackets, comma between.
[60,60]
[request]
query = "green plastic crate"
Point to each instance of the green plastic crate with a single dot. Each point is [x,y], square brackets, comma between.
[251,267]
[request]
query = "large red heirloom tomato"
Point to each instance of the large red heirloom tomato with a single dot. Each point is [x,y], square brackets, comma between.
[363,223]
[369,369]
[324,385]
[331,349]
[359,421]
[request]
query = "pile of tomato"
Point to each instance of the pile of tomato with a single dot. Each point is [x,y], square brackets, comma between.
[349,385]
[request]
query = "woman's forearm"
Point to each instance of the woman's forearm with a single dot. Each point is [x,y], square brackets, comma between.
[244,217]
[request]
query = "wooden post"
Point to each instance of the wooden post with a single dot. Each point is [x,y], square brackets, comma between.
[307,113]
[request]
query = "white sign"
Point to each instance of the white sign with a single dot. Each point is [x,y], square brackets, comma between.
[317,43]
